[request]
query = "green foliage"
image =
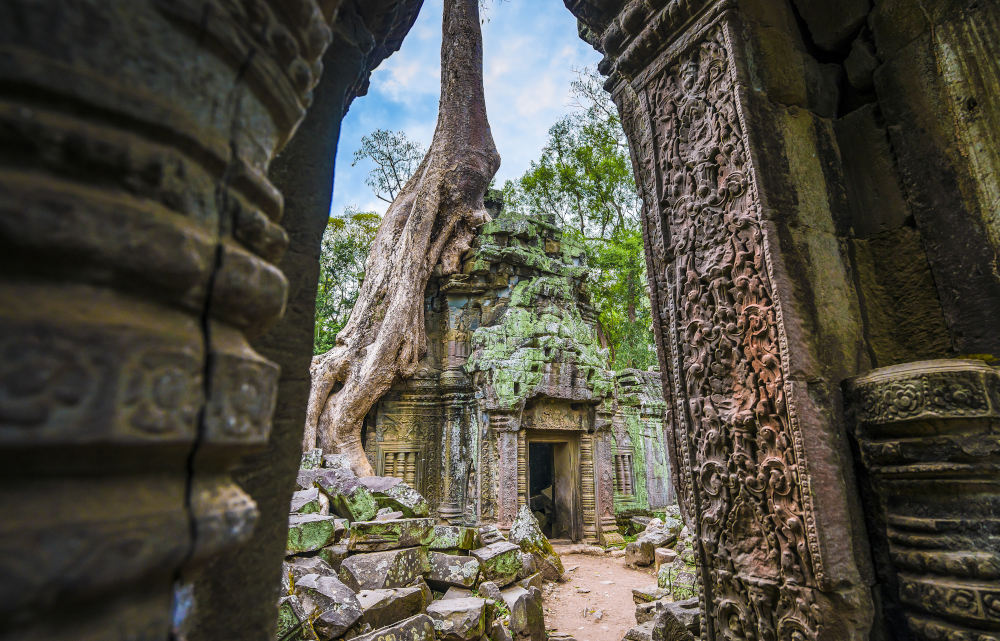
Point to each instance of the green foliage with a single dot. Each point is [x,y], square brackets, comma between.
[345,246]
[584,178]
[394,158]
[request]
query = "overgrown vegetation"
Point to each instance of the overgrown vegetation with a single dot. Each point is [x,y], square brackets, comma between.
[583,177]
[346,242]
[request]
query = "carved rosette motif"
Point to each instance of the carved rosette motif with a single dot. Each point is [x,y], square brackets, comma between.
[736,437]
[929,437]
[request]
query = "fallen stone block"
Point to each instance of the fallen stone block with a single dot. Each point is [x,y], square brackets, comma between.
[395,494]
[293,620]
[645,611]
[424,588]
[349,498]
[309,532]
[512,594]
[449,569]
[454,537]
[389,569]
[385,514]
[334,555]
[499,562]
[490,590]
[375,536]
[416,628]
[311,459]
[310,501]
[637,555]
[641,552]
[527,619]
[456,592]
[645,595]
[535,580]
[490,534]
[381,608]
[663,556]
[641,632]
[677,620]
[499,632]
[529,565]
[297,567]
[336,604]
[526,534]
[307,478]
[459,619]
[337,461]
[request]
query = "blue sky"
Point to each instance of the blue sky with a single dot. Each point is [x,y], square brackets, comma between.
[530,50]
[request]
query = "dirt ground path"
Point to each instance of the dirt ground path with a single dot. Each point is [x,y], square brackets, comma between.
[609,583]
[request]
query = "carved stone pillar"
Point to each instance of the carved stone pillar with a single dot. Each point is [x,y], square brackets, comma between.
[740,256]
[588,497]
[458,454]
[604,479]
[929,437]
[139,235]
[522,469]
[508,470]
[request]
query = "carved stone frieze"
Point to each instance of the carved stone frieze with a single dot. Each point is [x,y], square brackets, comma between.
[929,437]
[737,443]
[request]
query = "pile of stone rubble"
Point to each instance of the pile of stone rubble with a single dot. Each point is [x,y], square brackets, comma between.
[667,611]
[366,563]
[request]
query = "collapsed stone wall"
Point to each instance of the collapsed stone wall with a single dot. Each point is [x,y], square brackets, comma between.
[364,562]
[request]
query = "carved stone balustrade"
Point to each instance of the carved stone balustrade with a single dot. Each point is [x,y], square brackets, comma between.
[929,437]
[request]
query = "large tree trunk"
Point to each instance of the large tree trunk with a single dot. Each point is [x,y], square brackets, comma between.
[431,222]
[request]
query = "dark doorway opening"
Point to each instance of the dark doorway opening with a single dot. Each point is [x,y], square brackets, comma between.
[541,481]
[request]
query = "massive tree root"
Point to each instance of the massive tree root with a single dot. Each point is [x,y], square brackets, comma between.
[431,222]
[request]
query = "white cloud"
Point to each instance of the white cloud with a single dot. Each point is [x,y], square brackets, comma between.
[531,48]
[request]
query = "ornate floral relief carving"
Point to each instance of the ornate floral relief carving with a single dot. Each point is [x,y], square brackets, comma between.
[638,126]
[723,326]
[929,441]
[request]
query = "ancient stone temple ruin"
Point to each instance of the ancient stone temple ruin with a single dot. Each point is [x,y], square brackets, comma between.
[515,403]
[819,182]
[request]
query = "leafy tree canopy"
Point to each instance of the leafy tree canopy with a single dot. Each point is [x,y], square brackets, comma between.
[584,177]
[394,157]
[345,246]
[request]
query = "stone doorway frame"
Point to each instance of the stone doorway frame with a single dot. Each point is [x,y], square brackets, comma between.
[571,442]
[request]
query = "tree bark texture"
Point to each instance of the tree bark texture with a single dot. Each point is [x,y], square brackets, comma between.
[431,222]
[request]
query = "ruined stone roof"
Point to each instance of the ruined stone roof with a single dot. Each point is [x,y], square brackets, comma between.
[542,341]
